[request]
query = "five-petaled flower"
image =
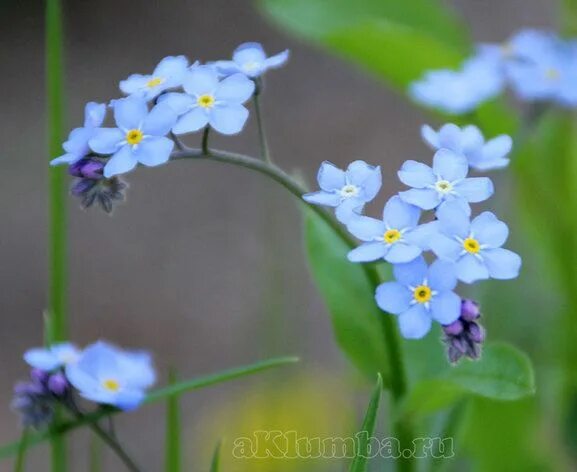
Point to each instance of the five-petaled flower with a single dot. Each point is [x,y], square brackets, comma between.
[347,191]
[251,60]
[394,238]
[76,146]
[110,376]
[420,295]
[168,74]
[470,142]
[445,181]
[208,101]
[474,246]
[139,138]
[52,357]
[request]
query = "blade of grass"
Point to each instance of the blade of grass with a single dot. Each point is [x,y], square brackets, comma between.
[9,450]
[56,329]
[173,436]
[215,464]
[360,461]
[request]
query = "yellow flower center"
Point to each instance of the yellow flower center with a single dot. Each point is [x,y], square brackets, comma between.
[205,101]
[552,74]
[392,235]
[111,385]
[349,191]
[444,186]
[134,136]
[154,82]
[471,245]
[422,294]
[250,66]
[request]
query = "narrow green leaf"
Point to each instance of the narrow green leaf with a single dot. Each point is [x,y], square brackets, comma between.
[349,296]
[9,450]
[503,373]
[173,436]
[215,463]
[360,461]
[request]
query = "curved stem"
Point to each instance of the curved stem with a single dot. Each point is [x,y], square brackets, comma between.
[264,149]
[205,135]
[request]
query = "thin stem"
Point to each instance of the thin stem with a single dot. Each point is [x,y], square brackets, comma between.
[20,459]
[264,149]
[173,429]
[205,135]
[450,430]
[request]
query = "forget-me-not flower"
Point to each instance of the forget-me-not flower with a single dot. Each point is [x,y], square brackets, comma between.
[445,181]
[393,238]
[470,142]
[208,101]
[76,146]
[346,191]
[139,138]
[168,74]
[420,295]
[251,60]
[53,357]
[474,246]
[110,376]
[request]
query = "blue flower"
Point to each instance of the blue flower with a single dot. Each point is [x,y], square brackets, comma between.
[139,138]
[168,74]
[394,238]
[474,246]
[458,92]
[347,191]
[110,376]
[53,357]
[210,102]
[251,60]
[446,181]
[76,146]
[470,142]
[420,295]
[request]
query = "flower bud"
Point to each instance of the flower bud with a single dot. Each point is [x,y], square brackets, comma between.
[454,329]
[57,384]
[469,310]
[476,333]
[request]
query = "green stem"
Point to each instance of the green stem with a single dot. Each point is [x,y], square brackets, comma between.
[19,464]
[569,17]
[451,429]
[205,135]
[264,149]
[172,445]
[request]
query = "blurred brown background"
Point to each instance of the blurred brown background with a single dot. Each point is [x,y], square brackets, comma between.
[187,266]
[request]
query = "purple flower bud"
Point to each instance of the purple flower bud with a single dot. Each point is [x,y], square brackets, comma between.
[476,333]
[82,186]
[57,384]
[454,329]
[470,310]
[75,169]
[92,170]
[39,376]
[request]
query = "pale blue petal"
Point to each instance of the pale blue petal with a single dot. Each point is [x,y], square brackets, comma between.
[498,147]
[98,395]
[278,60]
[229,119]
[441,276]
[201,80]
[400,253]
[365,176]
[154,151]
[330,177]
[415,322]
[66,159]
[137,369]
[449,165]
[179,102]
[173,69]
[502,263]
[450,137]
[430,136]
[484,165]
[159,121]
[421,235]
[412,273]
[106,140]
[446,307]
[349,210]
[77,142]
[136,83]
[368,252]
[322,198]
[130,112]
[249,52]
[400,215]
[128,400]
[42,359]
[471,139]
[445,247]
[235,89]
[121,162]
[80,379]
[470,269]
[489,230]
[424,198]
[416,174]
[94,114]
[227,67]
[453,220]
[366,228]
[457,201]
[393,297]
[195,119]
[475,189]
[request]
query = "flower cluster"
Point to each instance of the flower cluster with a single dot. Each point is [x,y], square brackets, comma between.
[537,65]
[177,98]
[101,373]
[467,249]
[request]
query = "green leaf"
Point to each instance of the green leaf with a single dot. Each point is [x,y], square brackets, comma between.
[349,296]
[9,450]
[360,461]
[173,436]
[215,463]
[503,373]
